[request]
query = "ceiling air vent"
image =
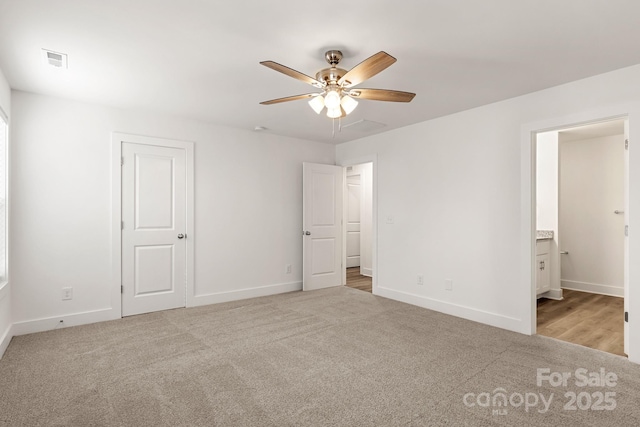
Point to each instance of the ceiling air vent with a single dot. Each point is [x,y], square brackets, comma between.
[364,126]
[55,59]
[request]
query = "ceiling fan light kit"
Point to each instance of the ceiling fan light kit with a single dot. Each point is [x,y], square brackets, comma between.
[317,103]
[348,104]
[332,99]
[336,83]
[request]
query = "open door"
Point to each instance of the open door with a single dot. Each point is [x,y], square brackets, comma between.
[626,236]
[322,226]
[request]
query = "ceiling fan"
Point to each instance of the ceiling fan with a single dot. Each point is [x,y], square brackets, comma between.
[338,94]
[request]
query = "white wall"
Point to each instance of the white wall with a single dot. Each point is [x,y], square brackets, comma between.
[547,201]
[248,214]
[591,189]
[5,291]
[460,191]
[547,181]
[445,183]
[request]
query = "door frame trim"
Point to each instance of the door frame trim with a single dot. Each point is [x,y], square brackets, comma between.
[373,159]
[527,300]
[117,138]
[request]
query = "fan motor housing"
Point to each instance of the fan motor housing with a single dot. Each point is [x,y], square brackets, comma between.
[330,74]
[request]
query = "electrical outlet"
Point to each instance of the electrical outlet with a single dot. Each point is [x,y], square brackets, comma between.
[420,280]
[287,269]
[448,284]
[67,294]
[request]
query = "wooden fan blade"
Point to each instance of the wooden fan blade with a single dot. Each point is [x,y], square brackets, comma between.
[293,73]
[382,95]
[288,98]
[366,69]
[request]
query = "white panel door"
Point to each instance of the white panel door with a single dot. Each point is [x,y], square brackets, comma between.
[354,191]
[154,227]
[366,219]
[322,225]
[626,238]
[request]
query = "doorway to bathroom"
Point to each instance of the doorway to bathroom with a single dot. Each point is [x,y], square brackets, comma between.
[581,248]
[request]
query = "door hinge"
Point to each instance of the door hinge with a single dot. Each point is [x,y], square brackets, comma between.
[121,225]
[626,316]
[626,144]
[626,230]
[122,289]
[121,161]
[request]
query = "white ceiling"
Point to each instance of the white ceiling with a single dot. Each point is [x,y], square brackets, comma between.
[595,130]
[199,58]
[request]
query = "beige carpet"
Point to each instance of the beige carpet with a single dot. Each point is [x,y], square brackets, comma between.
[338,357]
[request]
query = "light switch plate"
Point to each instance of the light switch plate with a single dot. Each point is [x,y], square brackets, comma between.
[448,284]
[67,294]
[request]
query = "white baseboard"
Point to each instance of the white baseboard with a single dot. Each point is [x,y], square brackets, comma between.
[469,313]
[353,262]
[74,319]
[366,272]
[555,294]
[5,340]
[261,291]
[593,288]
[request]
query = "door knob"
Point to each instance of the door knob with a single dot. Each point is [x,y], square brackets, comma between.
[180,236]
[307,233]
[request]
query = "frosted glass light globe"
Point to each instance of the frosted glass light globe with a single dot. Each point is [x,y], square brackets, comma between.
[317,103]
[332,100]
[349,104]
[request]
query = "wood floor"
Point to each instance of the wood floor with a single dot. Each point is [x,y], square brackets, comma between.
[591,320]
[358,281]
